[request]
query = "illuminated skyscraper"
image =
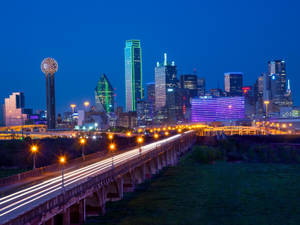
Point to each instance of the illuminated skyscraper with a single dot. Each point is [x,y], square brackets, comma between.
[233,83]
[168,96]
[165,81]
[278,83]
[104,95]
[133,74]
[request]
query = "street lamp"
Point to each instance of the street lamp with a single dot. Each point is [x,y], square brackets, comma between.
[266,102]
[156,136]
[112,148]
[62,161]
[110,137]
[167,133]
[34,150]
[179,130]
[82,142]
[140,141]
[128,134]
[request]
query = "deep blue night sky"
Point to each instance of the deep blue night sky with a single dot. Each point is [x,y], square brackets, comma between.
[87,38]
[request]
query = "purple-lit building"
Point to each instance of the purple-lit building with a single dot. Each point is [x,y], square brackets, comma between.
[208,109]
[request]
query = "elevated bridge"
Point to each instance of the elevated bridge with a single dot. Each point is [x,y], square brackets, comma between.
[87,189]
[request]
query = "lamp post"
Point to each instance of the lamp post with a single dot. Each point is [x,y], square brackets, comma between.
[110,137]
[112,148]
[140,141]
[34,150]
[62,161]
[82,142]
[267,102]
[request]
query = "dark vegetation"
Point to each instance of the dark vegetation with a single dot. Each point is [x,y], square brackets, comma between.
[197,192]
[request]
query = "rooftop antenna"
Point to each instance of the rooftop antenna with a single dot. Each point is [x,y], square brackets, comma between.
[165,59]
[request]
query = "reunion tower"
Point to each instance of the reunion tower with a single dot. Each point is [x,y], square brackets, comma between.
[49,67]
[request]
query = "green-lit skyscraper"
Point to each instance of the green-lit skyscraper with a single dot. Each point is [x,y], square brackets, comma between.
[133,74]
[104,95]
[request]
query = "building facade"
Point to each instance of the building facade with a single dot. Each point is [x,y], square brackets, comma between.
[189,82]
[201,86]
[151,92]
[165,81]
[233,83]
[13,110]
[104,95]
[279,91]
[133,74]
[144,111]
[209,109]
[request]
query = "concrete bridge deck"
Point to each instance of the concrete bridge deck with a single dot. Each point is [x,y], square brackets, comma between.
[87,189]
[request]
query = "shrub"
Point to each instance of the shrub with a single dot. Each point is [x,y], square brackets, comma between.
[205,154]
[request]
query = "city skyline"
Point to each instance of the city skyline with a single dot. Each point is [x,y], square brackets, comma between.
[81,71]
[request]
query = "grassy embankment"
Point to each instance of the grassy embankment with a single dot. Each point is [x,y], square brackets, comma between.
[214,194]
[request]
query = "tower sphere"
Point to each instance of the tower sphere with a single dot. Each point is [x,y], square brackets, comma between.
[49,66]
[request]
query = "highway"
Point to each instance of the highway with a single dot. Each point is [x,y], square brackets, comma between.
[27,198]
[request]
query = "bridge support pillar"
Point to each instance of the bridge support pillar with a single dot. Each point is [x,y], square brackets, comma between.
[139,174]
[66,217]
[101,199]
[158,163]
[115,190]
[49,222]
[128,182]
[82,212]
[164,159]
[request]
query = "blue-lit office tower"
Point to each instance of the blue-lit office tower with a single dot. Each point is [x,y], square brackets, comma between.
[133,74]
[279,93]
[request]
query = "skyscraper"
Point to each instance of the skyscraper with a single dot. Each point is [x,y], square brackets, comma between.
[233,83]
[278,83]
[165,81]
[151,92]
[133,74]
[13,109]
[168,96]
[189,82]
[104,95]
[201,86]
